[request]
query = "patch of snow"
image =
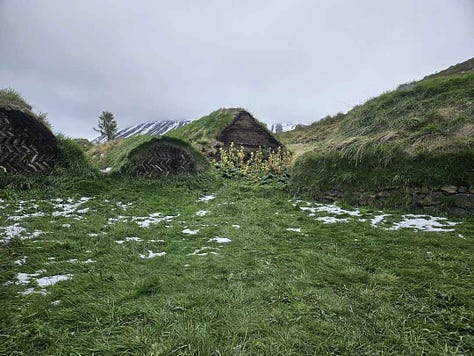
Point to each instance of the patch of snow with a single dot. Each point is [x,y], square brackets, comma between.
[236,226]
[51,281]
[17,231]
[24,278]
[152,254]
[220,240]
[202,213]
[106,170]
[21,261]
[331,220]
[461,236]
[330,208]
[206,198]
[33,291]
[199,252]
[92,234]
[376,220]
[66,225]
[294,229]
[190,232]
[56,302]
[26,216]
[128,239]
[424,223]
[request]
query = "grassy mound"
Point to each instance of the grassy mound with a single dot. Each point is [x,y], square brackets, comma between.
[11,99]
[206,133]
[420,135]
[125,156]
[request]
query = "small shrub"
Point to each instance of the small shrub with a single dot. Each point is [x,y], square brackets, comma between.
[260,165]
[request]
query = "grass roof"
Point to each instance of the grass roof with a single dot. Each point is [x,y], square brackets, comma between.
[210,127]
[119,154]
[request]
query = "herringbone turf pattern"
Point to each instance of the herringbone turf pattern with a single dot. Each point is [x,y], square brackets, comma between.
[163,160]
[26,145]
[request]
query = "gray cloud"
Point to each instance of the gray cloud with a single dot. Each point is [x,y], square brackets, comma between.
[286,61]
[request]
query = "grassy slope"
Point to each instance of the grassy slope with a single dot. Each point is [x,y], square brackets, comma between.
[420,135]
[204,133]
[116,154]
[206,129]
[337,288]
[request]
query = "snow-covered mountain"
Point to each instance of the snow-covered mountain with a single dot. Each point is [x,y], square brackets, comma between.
[162,127]
[277,128]
[146,128]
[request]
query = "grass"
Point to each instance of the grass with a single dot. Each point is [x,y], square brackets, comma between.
[11,99]
[120,154]
[346,288]
[205,133]
[418,136]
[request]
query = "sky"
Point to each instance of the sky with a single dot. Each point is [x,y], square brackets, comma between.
[286,61]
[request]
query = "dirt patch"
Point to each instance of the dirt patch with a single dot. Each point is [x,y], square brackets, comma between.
[26,145]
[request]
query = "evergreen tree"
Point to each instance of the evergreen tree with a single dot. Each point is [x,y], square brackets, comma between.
[107,125]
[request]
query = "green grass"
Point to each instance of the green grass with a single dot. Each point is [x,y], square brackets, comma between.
[419,136]
[120,155]
[207,128]
[346,288]
[205,133]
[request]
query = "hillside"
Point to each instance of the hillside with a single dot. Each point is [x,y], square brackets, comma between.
[430,114]
[420,135]
[211,132]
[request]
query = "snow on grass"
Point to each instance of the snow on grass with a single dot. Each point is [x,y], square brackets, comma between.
[331,220]
[206,198]
[26,216]
[142,221]
[29,291]
[128,239]
[407,221]
[329,208]
[52,280]
[25,278]
[21,261]
[202,213]
[69,208]
[220,240]
[378,219]
[294,229]
[152,254]
[236,226]
[424,223]
[199,252]
[190,232]
[17,231]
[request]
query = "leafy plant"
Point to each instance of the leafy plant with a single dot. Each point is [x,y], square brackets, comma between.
[254,165]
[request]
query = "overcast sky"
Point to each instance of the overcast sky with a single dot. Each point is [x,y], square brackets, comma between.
[292,61]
